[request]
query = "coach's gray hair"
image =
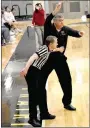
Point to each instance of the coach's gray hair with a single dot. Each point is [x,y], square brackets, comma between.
[58,16]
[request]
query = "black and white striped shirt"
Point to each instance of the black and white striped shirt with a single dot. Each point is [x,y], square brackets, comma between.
[43,54]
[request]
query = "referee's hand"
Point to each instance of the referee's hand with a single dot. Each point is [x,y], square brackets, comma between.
[61,49]
[23,72]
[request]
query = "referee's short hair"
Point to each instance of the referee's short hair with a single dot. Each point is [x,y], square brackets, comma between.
[50,39]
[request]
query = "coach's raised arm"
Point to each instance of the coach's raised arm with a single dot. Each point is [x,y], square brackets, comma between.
[58,29]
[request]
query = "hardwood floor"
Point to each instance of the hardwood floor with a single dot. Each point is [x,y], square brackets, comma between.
[80,80]
[8,50]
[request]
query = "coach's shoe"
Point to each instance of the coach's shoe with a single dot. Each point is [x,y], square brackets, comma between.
[34,123]
[70,107]
[48,116]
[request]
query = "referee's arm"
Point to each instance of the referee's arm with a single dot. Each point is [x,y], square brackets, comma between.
[31,60]
[28,64]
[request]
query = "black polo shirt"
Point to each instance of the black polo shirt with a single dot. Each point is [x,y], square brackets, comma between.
[62,35]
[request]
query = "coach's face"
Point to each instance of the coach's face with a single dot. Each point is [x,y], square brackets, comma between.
[59,22]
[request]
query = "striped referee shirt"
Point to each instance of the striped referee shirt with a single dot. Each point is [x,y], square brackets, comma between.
[43,54]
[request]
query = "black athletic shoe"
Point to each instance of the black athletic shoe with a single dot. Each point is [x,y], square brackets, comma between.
[34,123]
[70,107]
[48,117]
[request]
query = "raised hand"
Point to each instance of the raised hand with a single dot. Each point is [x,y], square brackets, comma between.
[37,7]
[57,8]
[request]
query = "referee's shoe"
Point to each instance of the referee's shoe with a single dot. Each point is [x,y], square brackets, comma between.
[47,116]
[35,122]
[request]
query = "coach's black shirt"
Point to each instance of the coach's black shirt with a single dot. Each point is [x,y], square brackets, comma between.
[62,35]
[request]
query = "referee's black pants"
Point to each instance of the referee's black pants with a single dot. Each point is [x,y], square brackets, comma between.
[58,62]
[32,82]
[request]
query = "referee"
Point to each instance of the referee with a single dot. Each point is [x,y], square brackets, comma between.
[57,60]
[32,73]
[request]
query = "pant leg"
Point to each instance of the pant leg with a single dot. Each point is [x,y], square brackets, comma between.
[43,95]
[31,79]
[64,76]
[42,30]
[8,25]
[2,38]
[45,71]
[6,34]
[39,34]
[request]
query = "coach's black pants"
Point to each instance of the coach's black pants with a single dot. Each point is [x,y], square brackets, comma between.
[58,62]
